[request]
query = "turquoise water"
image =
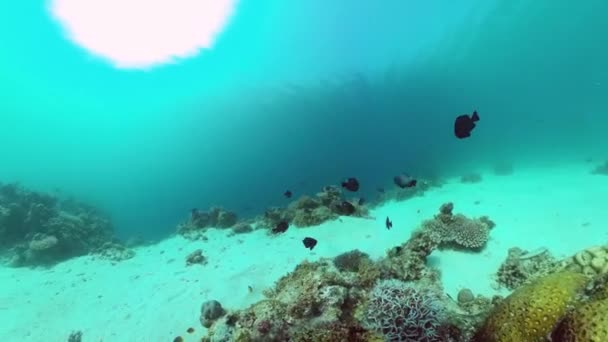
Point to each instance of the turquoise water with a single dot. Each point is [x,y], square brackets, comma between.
[362,89]
[299,95]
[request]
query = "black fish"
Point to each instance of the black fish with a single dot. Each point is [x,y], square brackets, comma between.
[287,194]
[389,224]
[346,208]
[281,227]
[309,243]
[351,184]
[404,181]
[464,125]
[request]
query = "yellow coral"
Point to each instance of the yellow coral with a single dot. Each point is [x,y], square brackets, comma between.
[530,312]
[588,323]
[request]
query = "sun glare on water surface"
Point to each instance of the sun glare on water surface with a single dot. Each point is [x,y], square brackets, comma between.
[140,34]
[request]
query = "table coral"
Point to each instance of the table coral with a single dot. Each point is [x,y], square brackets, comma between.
[450,229]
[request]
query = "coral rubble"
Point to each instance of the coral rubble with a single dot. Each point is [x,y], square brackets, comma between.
[522,266]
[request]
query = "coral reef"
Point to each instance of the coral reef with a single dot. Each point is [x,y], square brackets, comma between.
[408,261]
[471,178]
[458,231]
[199,221]
[309,211]
[402,312]
[196,257]
[211,310]
[531,311]
[351,261]
[41,229]
[601,169]
[315,302]
[522,266]
[592,261]
[242,228]
[402,194]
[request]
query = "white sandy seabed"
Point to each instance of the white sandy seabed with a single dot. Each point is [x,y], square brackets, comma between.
[155,296]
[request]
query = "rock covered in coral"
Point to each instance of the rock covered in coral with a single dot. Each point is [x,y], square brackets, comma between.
[408,261]
[465,296]
[351,261]
[75,336]
[242,228]
[303,304]
[211,310]
[309,211]
[44,229]
[601,169]
[403,312]
[402,194]
[273,216]
[196,257]
[522,266]
[471,178]
[199,221]
[449,229]
[531,311]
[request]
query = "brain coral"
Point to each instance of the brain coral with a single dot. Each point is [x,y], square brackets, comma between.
[532,310]
[591,261]
[587,323]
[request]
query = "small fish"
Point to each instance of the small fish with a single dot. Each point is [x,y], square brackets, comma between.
[351,184]
[309,243]
[287,194]
[389,224]
[346,208]
[404,181]
[463,125]
[361,201]
[380,190]
[281,227]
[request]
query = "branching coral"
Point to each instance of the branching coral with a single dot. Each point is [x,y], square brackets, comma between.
[401,312]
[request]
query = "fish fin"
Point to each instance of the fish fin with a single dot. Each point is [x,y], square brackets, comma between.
[475,116]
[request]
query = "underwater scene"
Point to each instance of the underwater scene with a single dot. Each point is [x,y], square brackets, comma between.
[304,171]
